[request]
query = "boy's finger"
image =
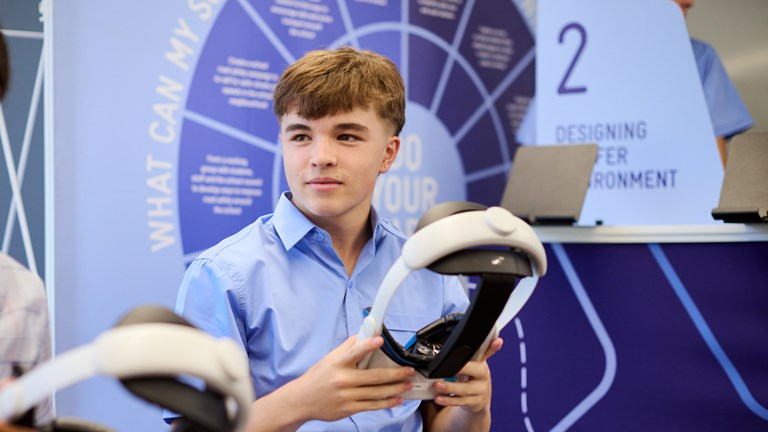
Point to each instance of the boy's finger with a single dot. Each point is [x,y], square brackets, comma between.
[493,348]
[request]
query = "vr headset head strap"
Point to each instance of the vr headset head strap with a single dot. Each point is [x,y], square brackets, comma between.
[449,247]
[202,410]
[144,349]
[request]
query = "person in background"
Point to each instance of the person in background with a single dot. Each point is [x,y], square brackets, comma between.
[25,338]
[292,286]
[726,109]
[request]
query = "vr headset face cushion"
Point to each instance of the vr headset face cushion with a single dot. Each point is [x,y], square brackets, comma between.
[429,340]
[424,345]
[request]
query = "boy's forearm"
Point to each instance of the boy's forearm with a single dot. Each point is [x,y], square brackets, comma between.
[279,411]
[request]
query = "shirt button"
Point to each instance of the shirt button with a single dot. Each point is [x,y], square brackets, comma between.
[319,237]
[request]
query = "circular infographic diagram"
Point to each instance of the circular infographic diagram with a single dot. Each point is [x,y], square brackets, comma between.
[468,68]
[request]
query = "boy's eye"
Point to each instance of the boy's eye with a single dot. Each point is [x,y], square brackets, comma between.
[300,137]
[347,137]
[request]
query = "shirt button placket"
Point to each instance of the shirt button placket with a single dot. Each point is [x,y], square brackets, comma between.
[354,312]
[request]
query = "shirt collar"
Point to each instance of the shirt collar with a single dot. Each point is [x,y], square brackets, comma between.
[291,225]
[376,227]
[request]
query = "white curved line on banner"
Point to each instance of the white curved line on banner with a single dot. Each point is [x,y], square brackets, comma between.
[451,58]
[602,335]
[264,27]
[346,18]
[706,333]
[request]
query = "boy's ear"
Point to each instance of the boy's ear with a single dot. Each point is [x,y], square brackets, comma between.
[390,153]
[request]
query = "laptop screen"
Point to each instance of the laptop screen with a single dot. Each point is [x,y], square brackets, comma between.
[744,195]
[548,184]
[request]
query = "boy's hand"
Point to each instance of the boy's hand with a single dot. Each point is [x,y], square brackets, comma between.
[474,393]
[332,389]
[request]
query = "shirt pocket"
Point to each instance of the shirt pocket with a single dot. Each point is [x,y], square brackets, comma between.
[403,326]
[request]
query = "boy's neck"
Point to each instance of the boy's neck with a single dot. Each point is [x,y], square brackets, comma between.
[348,240]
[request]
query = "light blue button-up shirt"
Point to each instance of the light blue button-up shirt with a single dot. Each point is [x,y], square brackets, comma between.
[727,110]
[278,288]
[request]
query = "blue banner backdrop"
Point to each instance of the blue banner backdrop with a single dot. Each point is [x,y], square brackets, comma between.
[165,143]
[639,337]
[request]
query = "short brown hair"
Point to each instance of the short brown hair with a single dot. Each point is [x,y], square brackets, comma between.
[328,82]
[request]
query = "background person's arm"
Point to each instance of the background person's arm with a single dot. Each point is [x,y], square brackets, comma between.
[5,427]
[722,149]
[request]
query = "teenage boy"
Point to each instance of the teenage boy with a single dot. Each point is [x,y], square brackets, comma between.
[291,287]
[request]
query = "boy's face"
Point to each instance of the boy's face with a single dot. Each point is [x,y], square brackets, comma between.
[332,163]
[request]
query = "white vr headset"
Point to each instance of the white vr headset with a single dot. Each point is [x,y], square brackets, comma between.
[454,238]
[149,351]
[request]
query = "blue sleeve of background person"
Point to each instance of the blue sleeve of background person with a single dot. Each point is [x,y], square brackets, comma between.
[727,110]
